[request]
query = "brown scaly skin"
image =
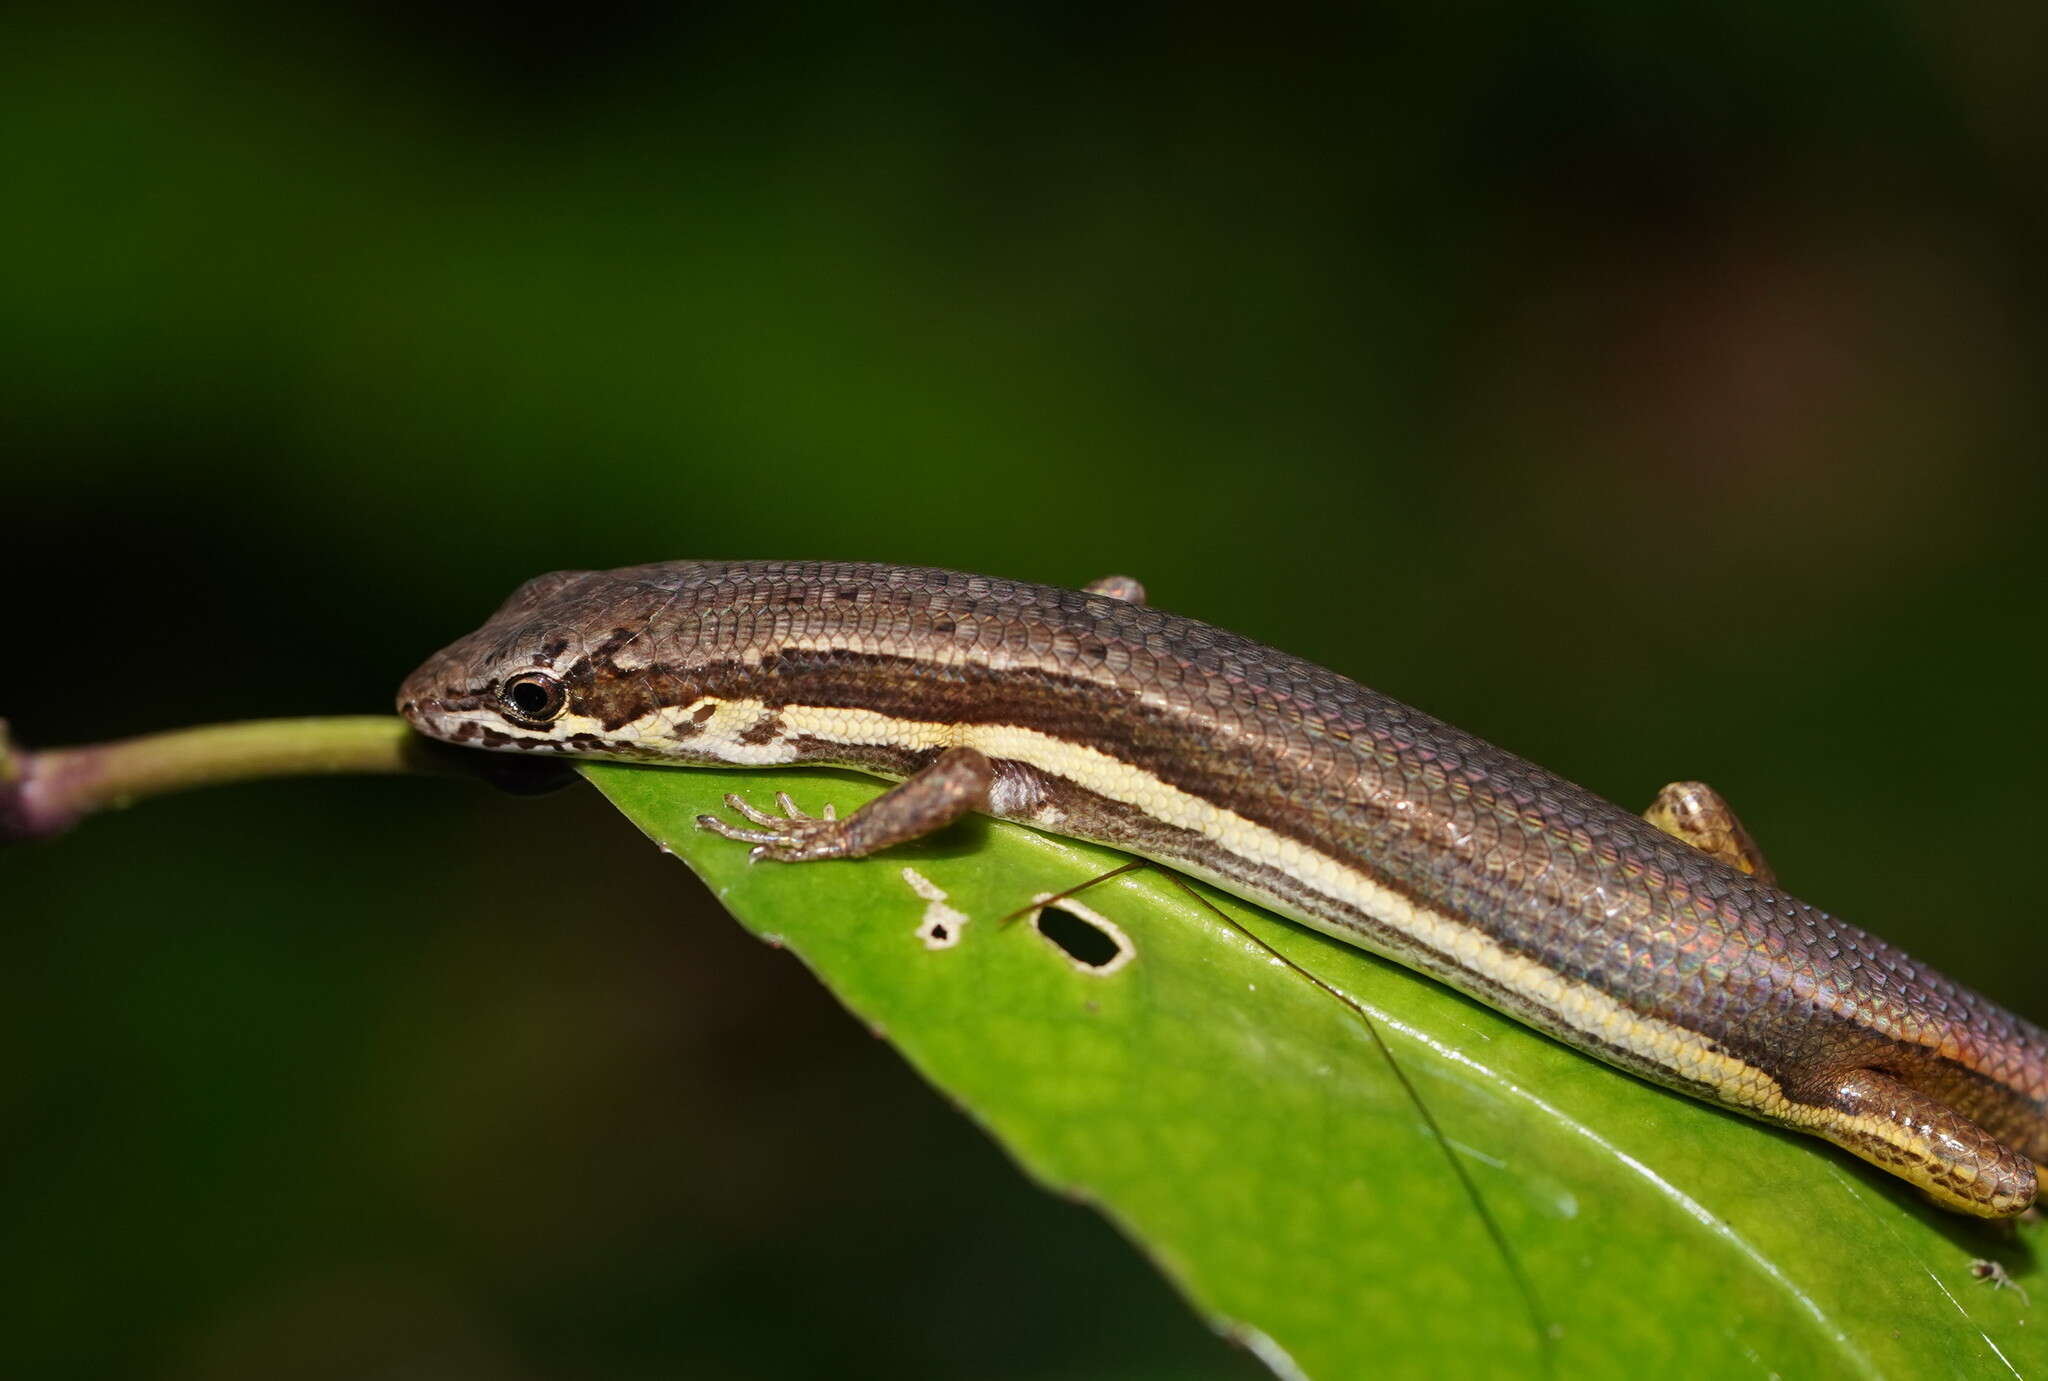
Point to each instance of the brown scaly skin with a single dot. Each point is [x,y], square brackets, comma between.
[1089,714]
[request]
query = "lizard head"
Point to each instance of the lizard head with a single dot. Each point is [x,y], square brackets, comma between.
[523,681]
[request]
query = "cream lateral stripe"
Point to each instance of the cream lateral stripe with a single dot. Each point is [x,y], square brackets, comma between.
[1575,1004]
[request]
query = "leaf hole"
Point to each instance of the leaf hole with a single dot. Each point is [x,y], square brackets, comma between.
[940,925]
[1090,940]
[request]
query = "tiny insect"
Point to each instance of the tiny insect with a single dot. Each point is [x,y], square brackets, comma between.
[1997,1277]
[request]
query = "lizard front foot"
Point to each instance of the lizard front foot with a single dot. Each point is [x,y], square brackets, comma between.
[791,837]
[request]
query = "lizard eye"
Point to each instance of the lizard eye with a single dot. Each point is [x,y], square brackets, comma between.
[533,699]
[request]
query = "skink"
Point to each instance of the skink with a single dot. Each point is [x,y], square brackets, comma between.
[1660,945]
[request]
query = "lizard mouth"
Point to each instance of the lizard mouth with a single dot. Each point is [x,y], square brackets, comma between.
[430,702]
[429,715]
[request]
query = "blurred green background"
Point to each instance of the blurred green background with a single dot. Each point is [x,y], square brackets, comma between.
[1654,390]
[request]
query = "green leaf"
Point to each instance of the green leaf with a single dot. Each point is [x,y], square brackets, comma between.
[1243,1125]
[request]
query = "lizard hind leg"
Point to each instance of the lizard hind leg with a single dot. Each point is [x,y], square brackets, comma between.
[1694,813]
[1921,1139]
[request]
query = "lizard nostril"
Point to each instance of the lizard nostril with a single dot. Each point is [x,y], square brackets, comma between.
[418,707]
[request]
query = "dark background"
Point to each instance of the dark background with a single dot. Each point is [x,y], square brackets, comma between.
[1653,390]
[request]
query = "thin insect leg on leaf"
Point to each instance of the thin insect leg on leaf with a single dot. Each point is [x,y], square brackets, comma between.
[1499,1237]
[1133,866]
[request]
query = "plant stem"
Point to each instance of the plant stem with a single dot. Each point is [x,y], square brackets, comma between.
[46,793]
